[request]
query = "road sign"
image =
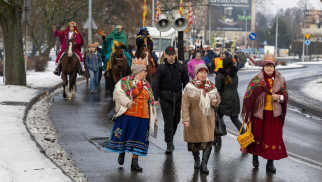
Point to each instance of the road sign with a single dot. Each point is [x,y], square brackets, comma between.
[87,24]
[307,36]
[307,42]
[252,36]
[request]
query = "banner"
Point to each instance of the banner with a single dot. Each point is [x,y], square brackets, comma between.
[180,7]
[189,17]
[233,45]
[144,13]
[230,15]
[157,13]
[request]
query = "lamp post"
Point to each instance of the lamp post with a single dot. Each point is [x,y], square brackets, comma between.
[276,34]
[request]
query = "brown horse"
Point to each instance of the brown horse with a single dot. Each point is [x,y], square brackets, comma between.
[69,63]
[119,67]
[151,67]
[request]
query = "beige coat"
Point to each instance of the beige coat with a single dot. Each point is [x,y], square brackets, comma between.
[202,125]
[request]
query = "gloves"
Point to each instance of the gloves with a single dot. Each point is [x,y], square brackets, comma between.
[103,38]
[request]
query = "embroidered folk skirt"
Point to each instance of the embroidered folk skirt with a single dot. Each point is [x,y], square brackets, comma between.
[129,134]
[268,134]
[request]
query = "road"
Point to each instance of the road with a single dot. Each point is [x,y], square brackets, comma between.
[84,125]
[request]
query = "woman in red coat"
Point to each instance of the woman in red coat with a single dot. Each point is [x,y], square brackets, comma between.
[265,104]
[71,32]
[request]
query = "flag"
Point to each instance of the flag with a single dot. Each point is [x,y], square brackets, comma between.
[181,7]
[233,45]
[189,17]
[157,13]
[144,13]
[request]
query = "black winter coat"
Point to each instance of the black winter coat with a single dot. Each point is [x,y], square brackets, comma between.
[169,79]
[229,104]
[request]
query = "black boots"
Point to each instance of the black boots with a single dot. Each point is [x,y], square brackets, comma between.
[58,69]
[255,161]
[270,166]
[217,141]
[205,157]
[170,148]
[197,159]
[135,165]
[121,158]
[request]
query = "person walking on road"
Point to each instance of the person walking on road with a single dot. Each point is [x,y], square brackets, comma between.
[199,99]
[192,64]
[169,80]
[227,84]
[135,115]
[219,61]
[93,62]
[265,105]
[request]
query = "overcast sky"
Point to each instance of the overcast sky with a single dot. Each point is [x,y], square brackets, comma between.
[317,5]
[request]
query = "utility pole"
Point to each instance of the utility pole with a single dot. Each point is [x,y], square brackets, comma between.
[276,31]
[209,17]
[90,23]
[303,33]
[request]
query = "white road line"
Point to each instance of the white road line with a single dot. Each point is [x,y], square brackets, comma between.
[292,156]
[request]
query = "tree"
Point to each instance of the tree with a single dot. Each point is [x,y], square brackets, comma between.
[10,20]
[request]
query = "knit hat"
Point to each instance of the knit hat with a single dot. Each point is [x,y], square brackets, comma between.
[227,63]
[269,59]
[138,65]
[199,67]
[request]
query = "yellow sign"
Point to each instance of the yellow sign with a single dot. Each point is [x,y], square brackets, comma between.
[307,36]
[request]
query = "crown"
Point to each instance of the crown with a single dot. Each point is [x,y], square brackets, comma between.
[118,26]
[72,24]
[270,58]
[139,62]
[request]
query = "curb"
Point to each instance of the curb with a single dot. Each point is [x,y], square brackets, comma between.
[34,100]
[301,103]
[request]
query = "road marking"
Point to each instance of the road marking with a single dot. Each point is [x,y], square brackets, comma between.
[295,157]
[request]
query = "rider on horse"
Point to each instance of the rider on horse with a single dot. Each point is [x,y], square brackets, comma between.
[71,32]
[143,39]
[115,38]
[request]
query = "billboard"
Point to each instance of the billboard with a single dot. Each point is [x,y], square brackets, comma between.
[313,18]
[230,15]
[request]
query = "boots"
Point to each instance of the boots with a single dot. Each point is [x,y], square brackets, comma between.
[120,160]
[205,157]
[217,141]
[58,69]
[197,159]
[170,148]
[270,166]
[135,165]
[255,161]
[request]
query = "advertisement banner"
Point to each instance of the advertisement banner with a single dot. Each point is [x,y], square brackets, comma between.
[313,18]
[230,15]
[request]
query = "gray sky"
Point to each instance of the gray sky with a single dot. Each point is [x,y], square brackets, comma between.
[317,5]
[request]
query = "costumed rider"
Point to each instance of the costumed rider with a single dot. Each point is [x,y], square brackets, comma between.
[115,38]
[143,39]
[71,32]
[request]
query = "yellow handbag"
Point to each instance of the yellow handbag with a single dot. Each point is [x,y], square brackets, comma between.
[247,138]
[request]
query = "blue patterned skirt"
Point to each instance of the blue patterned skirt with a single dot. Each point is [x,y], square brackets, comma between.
[129,134]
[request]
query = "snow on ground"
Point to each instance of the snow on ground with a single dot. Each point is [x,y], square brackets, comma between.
[313,89]
[20,158]
[311,62]
[279,67]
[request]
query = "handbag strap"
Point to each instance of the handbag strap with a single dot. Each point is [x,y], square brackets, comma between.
[241,128]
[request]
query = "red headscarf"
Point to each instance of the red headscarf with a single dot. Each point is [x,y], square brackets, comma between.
[65,32]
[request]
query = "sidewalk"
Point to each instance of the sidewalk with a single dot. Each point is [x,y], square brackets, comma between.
[20,157]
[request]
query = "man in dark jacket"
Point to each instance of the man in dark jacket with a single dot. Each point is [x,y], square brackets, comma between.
[167,84]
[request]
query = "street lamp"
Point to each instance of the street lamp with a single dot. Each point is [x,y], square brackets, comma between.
[276,29]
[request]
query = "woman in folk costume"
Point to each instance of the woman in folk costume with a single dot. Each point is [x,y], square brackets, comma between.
[265,104]
[115,38]
[199,99]
[71,32]
[136,115]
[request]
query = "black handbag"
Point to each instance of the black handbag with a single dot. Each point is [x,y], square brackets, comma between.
[220,126]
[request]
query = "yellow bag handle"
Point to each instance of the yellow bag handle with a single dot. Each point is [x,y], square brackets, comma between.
[248,127]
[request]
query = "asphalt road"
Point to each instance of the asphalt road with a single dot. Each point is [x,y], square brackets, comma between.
[84,125]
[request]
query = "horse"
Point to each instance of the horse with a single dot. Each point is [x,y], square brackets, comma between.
[151,67]
[69,63]
[119,68]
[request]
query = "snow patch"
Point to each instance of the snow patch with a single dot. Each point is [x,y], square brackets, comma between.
[313,89]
